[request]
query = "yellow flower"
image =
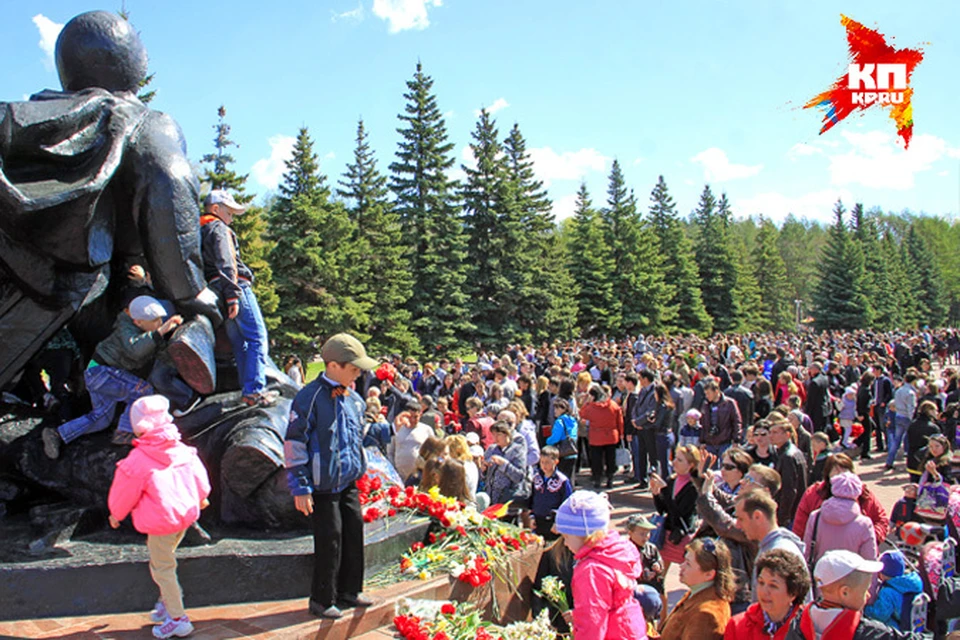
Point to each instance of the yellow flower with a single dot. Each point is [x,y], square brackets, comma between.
[423,575]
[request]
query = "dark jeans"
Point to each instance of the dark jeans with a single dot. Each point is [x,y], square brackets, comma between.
[568,467]
[167,382]
[878,412]
[665,443]
[337,546]
[864,440]
[600,455]
[648,451]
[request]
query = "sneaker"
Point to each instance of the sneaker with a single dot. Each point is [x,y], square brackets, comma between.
[179,627]
[179,413]
[122,438]
[159,613]
[51,442]
[320,611]
[347,601]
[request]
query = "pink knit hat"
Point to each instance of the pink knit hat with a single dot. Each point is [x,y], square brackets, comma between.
[149,412]
[846,485]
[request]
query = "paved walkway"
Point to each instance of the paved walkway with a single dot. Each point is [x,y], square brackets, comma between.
[288,619]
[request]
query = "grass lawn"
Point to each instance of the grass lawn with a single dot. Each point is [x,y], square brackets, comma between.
[314,369]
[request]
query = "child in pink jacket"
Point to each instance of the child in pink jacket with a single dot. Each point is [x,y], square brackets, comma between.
[839,522]
[163,485]
[605,574]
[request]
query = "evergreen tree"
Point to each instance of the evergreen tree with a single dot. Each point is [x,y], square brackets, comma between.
[679,264]
[250,227]
[717,262]
[315,259]
[383,280]
[800,245]
[431,228]
[638,277]
[547,304]
[838,299]
[776,308]
[903,313]
[747,290]
[883,307]
[929,292]
[591,265]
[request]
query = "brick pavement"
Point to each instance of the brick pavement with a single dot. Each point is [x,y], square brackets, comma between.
[288,619]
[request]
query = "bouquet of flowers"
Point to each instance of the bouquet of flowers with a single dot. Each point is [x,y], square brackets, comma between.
[553,591]
[438,620]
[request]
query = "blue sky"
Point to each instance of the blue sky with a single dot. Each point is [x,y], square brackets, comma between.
[700,92]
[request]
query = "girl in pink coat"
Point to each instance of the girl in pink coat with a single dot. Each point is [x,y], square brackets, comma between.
[606,571]
[839,523]
[163,485]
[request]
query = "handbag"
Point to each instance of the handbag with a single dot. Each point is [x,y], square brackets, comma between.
[568,448]
[624,459]
[659,535]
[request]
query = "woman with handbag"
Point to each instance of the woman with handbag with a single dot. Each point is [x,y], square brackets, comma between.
[563,436]
[663,426]
[606,428]
[676,498]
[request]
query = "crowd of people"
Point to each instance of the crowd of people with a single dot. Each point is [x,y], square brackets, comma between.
[747,445]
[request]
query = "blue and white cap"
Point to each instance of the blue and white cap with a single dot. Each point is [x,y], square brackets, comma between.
[219,196]
[583,513]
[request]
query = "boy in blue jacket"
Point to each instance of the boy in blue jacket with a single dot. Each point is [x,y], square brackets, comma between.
[324,459]
[897,585]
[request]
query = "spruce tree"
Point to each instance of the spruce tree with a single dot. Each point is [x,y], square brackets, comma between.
[776,308]
[716,261]
[638,276]
[315,259]
[679,264]
[929,292]
[494,238]
[383,280]
[547,305]
[838,299]
[904,308]
[591,265]
[746,290]
[800,245]
[251,226]
[431,227]
[881,301]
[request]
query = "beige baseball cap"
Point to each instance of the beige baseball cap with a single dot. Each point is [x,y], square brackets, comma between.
[344,348]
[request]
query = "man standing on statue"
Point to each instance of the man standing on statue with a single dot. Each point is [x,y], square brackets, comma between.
[324,459]
[233,281]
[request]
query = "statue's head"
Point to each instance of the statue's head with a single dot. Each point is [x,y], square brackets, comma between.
[100,49]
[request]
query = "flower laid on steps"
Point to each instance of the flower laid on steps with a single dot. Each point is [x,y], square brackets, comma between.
[437,620]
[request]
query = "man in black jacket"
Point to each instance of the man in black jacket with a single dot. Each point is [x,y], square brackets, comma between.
[643,416]
[882,395]
[628,403]
[742,396]
[818,397]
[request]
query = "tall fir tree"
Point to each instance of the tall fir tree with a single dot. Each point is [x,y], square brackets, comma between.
[929,291]
[746,290]
[547,307]
[431,226]
[315,258]
[679,264]
[838,299]
[638,273]
[903,312]
[717,262]
[497,263]
[251,227]
[383,280]
[591,265]
[882,308]
[776,308]
[800,256]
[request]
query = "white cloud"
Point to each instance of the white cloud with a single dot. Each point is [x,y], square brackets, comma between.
[498,104]
[803,149]
[564,206]
[817,205]
[638,161]
[448,114]
[330,156]
[875,159]
[353,15]
[49,30]
[718,168]
[569,165]
[268,171]
[404,14]
[466,154]
[943,173]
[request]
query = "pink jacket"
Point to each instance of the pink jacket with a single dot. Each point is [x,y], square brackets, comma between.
[603,582]
[162,482]
[841,526]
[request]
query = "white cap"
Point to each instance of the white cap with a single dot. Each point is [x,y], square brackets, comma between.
[476,451]
[837,564]
[219,196]
[473,438]
[146,308]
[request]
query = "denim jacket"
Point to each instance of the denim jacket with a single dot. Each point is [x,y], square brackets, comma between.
[323,450]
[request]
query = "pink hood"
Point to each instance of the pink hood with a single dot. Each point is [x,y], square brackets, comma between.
[603,582]
[161,483]
[841,526]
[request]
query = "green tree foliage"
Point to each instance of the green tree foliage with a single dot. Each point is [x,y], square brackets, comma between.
[717,261]
[943,238]
[250,227]
[838,298]
[801,244]
[383,280]
[775,311]
[547,307]
[315,258]
[747,290]
[929,291]
[679,265]
[638,272]
[898,308]
[592,265]
[431,227]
